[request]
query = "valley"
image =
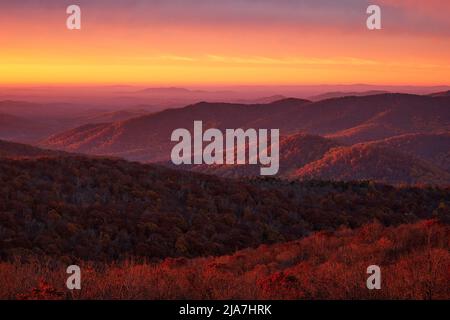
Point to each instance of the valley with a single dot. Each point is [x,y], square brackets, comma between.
[105,196]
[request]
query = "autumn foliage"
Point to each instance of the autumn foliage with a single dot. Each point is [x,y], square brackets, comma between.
[147,232]
[414,259]
[77,208]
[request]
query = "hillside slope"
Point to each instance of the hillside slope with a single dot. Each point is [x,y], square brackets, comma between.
[14,150]
[105,209]
[409,159]
[21,129]
[414,260]
[348,119]
[434,148]
[373,162]
[296,151]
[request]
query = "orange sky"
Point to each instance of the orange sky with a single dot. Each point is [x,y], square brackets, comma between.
[123,44]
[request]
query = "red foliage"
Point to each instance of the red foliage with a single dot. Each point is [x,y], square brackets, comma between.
[414,261]
[43,291]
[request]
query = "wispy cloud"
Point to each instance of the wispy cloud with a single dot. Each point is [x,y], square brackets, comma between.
[290,61]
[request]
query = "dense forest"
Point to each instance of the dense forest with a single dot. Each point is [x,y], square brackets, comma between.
[80,208]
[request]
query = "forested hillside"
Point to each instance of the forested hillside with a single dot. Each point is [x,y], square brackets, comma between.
[105,209]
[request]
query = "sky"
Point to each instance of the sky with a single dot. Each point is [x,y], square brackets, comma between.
[232,42]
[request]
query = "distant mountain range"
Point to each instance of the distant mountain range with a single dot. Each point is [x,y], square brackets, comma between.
[147,138]
[441,94]
[392,138]
[338,94]
[31,122]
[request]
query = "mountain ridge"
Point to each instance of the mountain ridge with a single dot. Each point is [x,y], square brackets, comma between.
[347,120]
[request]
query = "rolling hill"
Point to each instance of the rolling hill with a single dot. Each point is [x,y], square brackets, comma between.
[147,138]
[113,116]
[348,120]
[412,128]
[21,129]
[373,162]
[296,151]
[27,122]
[407,159]
[74,207]
[12,150]
[434,148]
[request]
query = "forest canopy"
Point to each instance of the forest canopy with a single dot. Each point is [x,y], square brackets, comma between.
[105,209]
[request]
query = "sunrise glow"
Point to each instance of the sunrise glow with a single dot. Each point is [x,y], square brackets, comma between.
[160,43]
